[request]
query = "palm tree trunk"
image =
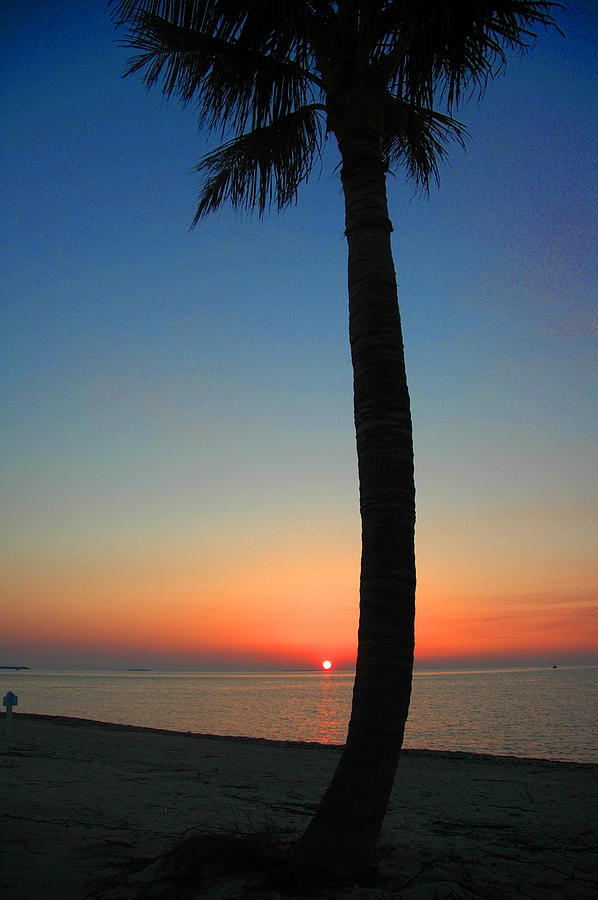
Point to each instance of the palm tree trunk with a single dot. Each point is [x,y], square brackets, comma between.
[342,835]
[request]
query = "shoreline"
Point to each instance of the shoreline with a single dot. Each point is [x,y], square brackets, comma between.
[406,751]
[90,806]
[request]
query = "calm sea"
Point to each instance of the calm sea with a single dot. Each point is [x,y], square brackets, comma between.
[548,713]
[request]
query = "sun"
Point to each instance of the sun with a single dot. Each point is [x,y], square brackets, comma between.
[326,664]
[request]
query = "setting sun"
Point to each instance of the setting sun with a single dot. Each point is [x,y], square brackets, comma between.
[326,664]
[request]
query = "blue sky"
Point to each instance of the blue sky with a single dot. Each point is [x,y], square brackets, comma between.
[178,403]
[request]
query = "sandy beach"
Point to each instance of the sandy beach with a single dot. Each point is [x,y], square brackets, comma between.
[90,810]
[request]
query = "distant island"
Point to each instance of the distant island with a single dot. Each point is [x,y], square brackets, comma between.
[15,668]
[139,670]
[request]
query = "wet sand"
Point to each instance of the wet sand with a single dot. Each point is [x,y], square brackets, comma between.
[88,808]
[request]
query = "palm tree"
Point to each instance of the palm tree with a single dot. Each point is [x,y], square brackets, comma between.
[278,78]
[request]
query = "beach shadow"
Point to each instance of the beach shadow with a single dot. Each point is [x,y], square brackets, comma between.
[223,866]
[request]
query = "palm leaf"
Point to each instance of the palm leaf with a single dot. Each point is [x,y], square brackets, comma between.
[263,166]
[234,83]
[418,137]
[455,48]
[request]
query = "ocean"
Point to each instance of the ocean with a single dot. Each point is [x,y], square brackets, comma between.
[543,712]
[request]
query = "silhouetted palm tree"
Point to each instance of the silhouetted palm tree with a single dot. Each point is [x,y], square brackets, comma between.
[279,77]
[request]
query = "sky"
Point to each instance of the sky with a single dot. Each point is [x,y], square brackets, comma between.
[179,483]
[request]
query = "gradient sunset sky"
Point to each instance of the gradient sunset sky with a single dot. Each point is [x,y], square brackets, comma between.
[179,481]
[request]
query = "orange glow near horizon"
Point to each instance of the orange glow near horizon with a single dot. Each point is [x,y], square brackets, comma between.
[279,607]
[291,605]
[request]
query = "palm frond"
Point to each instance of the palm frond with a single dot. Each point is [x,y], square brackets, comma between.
[179,12]
[235,83]
[175,56]
[454,48]
[418,138]
[262,167]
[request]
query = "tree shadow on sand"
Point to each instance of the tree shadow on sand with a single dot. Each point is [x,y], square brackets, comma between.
[223,867]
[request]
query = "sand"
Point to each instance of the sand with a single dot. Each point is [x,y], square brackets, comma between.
[89,810]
